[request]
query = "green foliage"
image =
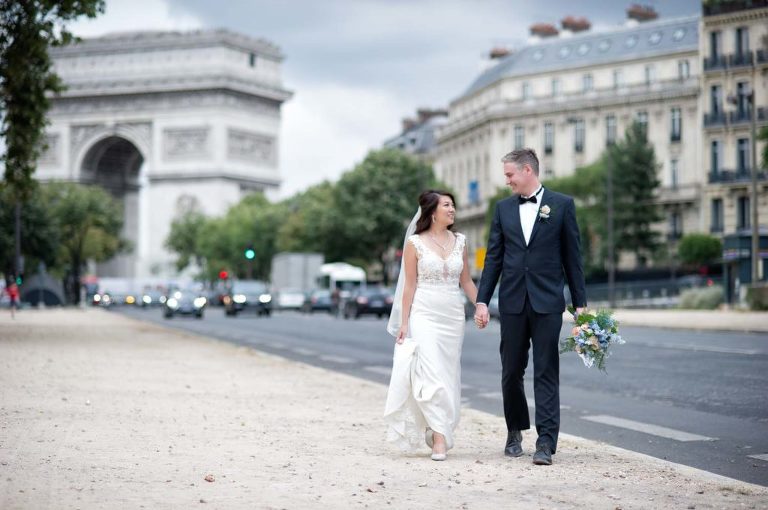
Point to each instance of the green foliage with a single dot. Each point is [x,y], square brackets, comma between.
[88,221]
[763,135]
[40,240]
[702,298]
[635,181]
[27,29]
[699,249]
[310,224]
[184,238]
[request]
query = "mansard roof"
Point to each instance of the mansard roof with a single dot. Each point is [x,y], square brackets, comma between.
[644,40]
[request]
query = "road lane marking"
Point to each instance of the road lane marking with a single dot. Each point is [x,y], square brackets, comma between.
[705,348]
[532,404]
[336,359]
[647,428]
[763,457]
[379,370]
[493,395]
[302,351]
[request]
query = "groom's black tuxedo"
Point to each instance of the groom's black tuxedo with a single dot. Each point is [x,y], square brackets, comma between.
[531,302]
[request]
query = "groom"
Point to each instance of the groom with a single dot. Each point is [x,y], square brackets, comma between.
[534,246]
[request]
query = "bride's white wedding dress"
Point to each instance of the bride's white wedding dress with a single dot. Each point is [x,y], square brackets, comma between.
[425,388]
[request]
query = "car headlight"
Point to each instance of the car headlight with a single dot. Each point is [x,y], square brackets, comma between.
[265,298]
[96,298]
[239,298]
[172,303]
[199,302]
[147,300]
[162,299]
[130,300]
[177,294]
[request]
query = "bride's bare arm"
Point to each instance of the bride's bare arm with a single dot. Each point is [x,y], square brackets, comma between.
[410,265]
[466,280]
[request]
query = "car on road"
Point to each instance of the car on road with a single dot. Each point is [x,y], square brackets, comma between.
[152,297]
[290,299]
[184,301]
[369,301]
[248,295]
[318,300]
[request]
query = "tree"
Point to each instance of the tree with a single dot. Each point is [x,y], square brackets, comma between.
[699,249]
[27,29]
[89,221]
[184,238]
[635,181]
[41,240]
[763,135]
[374,201]
[309,224]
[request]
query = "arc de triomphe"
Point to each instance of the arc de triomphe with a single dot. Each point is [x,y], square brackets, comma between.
[167,122]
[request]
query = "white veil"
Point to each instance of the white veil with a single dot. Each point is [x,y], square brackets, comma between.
[396,315]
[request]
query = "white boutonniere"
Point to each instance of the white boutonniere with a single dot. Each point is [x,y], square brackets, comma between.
[544,212]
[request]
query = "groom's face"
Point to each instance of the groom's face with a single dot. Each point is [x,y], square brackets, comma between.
[515,176]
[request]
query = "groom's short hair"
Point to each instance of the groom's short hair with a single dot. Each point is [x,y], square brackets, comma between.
[522,157]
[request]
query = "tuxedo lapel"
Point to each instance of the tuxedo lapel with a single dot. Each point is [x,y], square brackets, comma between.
[514,216]
[538,221]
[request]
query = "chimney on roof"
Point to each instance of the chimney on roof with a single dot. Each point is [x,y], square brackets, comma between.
[575,24]
[427,113]
[498,52]
[408,124]
[641,13]
[543,30]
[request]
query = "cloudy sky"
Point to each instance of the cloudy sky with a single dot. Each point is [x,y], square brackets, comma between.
[357,67]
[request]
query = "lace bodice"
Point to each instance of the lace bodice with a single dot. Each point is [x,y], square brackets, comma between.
[434,270]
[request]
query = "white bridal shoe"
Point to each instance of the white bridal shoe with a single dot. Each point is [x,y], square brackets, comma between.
[438,456]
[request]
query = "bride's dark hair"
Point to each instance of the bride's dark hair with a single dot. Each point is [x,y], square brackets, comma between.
[428,201]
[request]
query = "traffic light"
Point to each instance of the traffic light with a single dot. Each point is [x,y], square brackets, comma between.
[250,253]
[223,275]
[19,279]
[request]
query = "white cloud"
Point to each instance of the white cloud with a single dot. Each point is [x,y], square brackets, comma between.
[327,129]
[132,15]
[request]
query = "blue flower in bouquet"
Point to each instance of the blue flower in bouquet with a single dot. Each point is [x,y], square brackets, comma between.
[592,336]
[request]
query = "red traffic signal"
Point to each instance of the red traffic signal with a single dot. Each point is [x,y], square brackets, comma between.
[223,275]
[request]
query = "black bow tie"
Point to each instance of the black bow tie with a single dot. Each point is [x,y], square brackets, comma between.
[529,199]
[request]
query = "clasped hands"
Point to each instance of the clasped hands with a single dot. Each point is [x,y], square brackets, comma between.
[482,316]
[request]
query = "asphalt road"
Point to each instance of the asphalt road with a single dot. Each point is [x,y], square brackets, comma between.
[691,397]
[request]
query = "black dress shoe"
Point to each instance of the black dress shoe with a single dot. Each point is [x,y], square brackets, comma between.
[514,446]
[543,456]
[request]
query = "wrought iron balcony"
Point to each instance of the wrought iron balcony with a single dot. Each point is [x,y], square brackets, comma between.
[716,7]
[735,176]
[714,119]
[715,62]
[744,116]
[745,58]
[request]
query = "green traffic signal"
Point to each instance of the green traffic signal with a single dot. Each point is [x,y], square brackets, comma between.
[250,253]
[19,279]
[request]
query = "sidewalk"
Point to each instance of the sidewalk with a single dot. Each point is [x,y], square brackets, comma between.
[100,411]
[711,320]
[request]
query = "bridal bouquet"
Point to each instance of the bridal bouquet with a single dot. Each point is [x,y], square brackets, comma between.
[592,337]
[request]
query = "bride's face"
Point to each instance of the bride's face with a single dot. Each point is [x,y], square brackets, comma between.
[445,212]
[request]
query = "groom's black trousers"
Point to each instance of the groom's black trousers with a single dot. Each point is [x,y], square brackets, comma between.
[518,332]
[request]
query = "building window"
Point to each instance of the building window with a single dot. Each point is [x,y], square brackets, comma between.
[642,119]
[587,83]
[252,60]
[673,173]
[556,89]
[675,225]
[714,45]
[742,213]
[650,74]
[677,125]
[519,137]
[742,155]
[473,193]
[714,157]
[610,129]
[715,99]
[742,40]
[549,137]
[526,91]
[578,135]
[742,101]
[683,69]
[618,78]
[717,215]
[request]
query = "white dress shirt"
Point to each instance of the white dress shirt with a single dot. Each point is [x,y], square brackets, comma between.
[528,213]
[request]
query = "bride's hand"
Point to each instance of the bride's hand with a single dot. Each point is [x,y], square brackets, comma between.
[402,334]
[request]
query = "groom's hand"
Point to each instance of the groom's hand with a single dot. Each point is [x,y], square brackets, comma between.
[579,310]
[482,316]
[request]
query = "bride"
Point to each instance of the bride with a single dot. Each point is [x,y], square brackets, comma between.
[427,322]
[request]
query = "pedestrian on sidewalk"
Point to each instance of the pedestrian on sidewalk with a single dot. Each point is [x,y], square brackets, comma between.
[427,321]
[13,294]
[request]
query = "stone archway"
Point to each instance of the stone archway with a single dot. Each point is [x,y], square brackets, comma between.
[115,164]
